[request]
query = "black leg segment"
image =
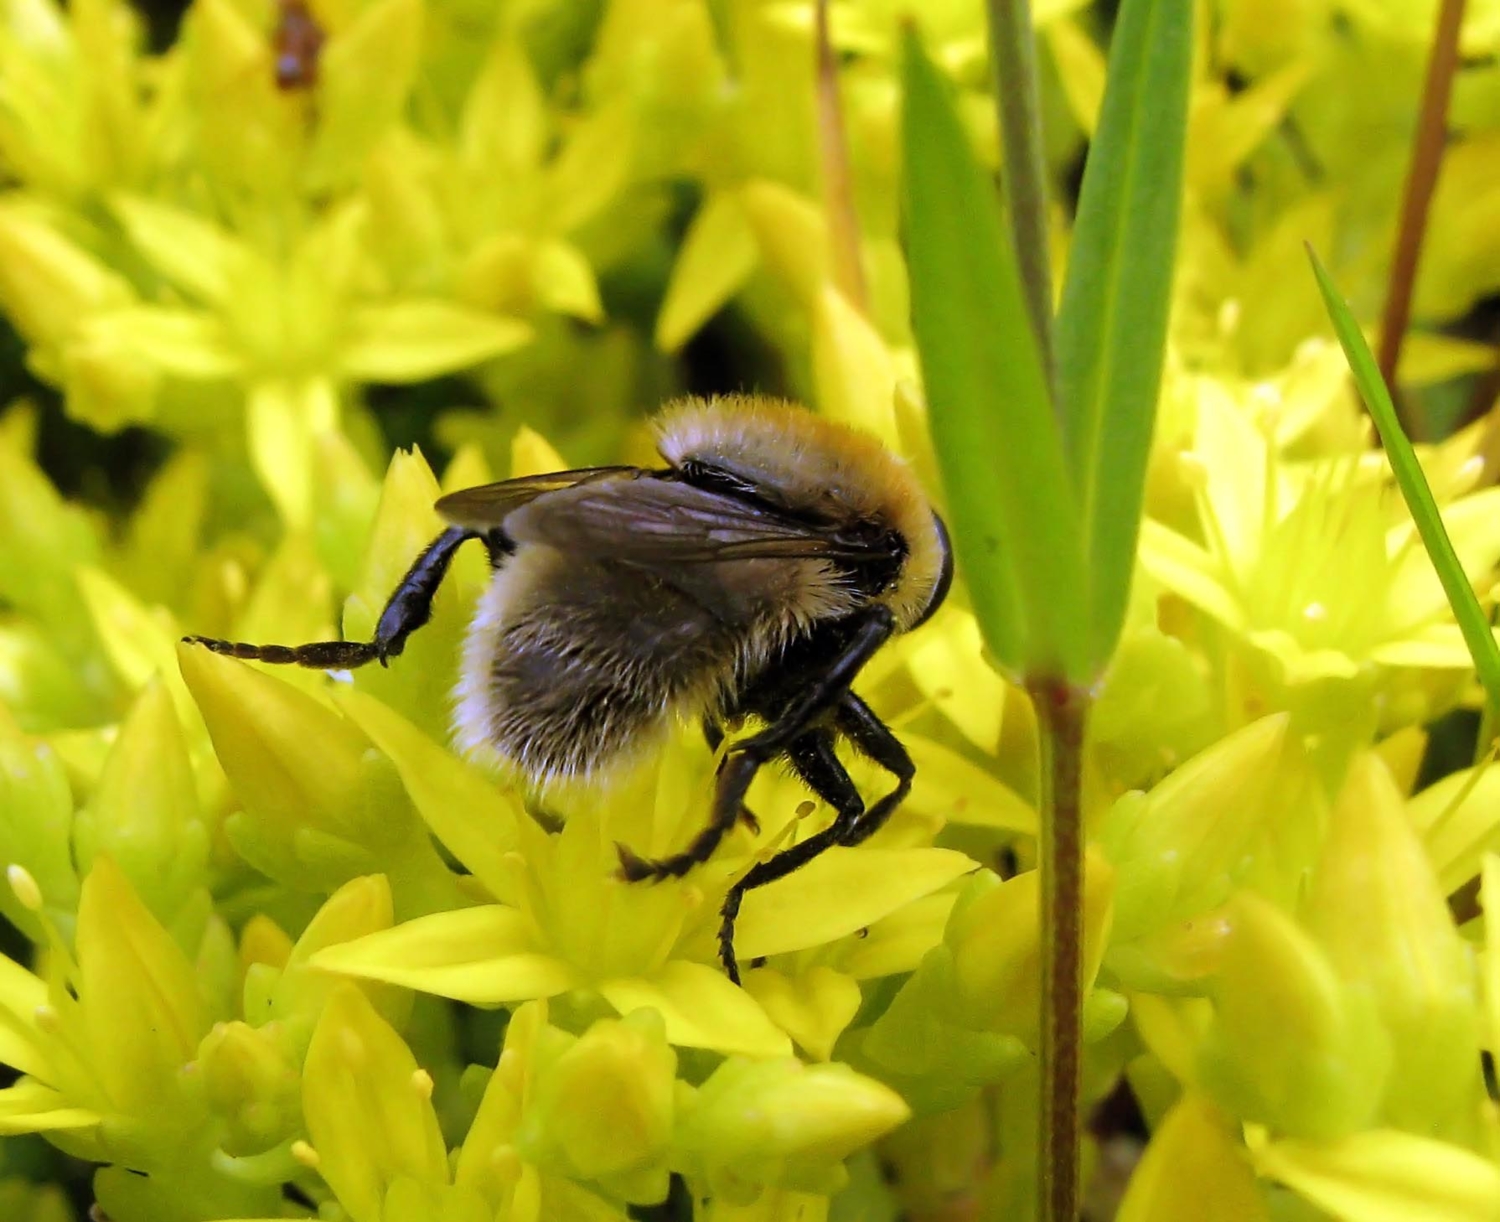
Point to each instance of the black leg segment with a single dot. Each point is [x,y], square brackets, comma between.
[873,738]
[713,735]
[814,759]
[745,759]
[405,611]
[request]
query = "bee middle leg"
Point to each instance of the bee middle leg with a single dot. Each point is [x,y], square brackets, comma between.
[747,757]
[407,609]
[818,766]
[813,759]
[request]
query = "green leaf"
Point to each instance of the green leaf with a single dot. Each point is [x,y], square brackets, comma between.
[1472,620]
[1012,513]
[1024,170]
[1111,328]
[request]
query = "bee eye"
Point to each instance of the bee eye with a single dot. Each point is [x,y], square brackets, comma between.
[945,577]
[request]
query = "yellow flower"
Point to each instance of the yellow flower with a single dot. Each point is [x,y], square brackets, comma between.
[51,287]
[782,1124]
[76,110]
[491,219]
[565,922]
[319,806]
[103,1039]
[546,1120]
[36,812]
[1316,574]
[292,328]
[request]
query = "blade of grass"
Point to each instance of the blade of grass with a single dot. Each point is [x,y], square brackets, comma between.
[1111,328]
[1013,520]
[1023,174]
[1472,620]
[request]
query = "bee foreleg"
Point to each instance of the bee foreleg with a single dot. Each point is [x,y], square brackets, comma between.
[407,609]
[745,758]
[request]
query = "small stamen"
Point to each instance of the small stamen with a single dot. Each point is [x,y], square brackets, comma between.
[27,893]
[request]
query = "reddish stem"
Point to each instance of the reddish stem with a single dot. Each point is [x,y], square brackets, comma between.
[1421,181]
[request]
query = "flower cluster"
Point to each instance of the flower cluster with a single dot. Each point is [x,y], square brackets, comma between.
[272,949]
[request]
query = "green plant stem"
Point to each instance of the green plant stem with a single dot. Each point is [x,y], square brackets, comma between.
[1013,50]
[838,188]
[1061,712]
[1421,181]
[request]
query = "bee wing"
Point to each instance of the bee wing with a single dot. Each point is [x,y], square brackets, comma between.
[664,522]
[487,506]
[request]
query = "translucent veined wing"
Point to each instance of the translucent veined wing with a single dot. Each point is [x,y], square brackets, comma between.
[652,520]
[487,506]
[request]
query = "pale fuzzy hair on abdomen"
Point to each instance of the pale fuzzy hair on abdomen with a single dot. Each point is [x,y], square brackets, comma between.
[573,672]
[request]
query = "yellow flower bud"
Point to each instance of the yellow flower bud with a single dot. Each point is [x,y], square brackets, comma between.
[604,1109]
[421,687]
[996,949]
[1292,1046]
[295,766]
[141,1006]
[781,1123]
[1178,848]
[369,1124]
[361,906]
[144,812]
[36,809]
[1376,908]
[249,1080]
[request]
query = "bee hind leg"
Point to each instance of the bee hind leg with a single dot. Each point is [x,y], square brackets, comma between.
[407,609]
[713,734]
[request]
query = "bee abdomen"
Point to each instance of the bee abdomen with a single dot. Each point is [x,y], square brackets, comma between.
[573,669]
[559,717]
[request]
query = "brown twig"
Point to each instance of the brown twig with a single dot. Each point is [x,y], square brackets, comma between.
[1421,181]
[838,185]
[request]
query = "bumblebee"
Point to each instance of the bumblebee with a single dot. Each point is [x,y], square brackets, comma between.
[746,581]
